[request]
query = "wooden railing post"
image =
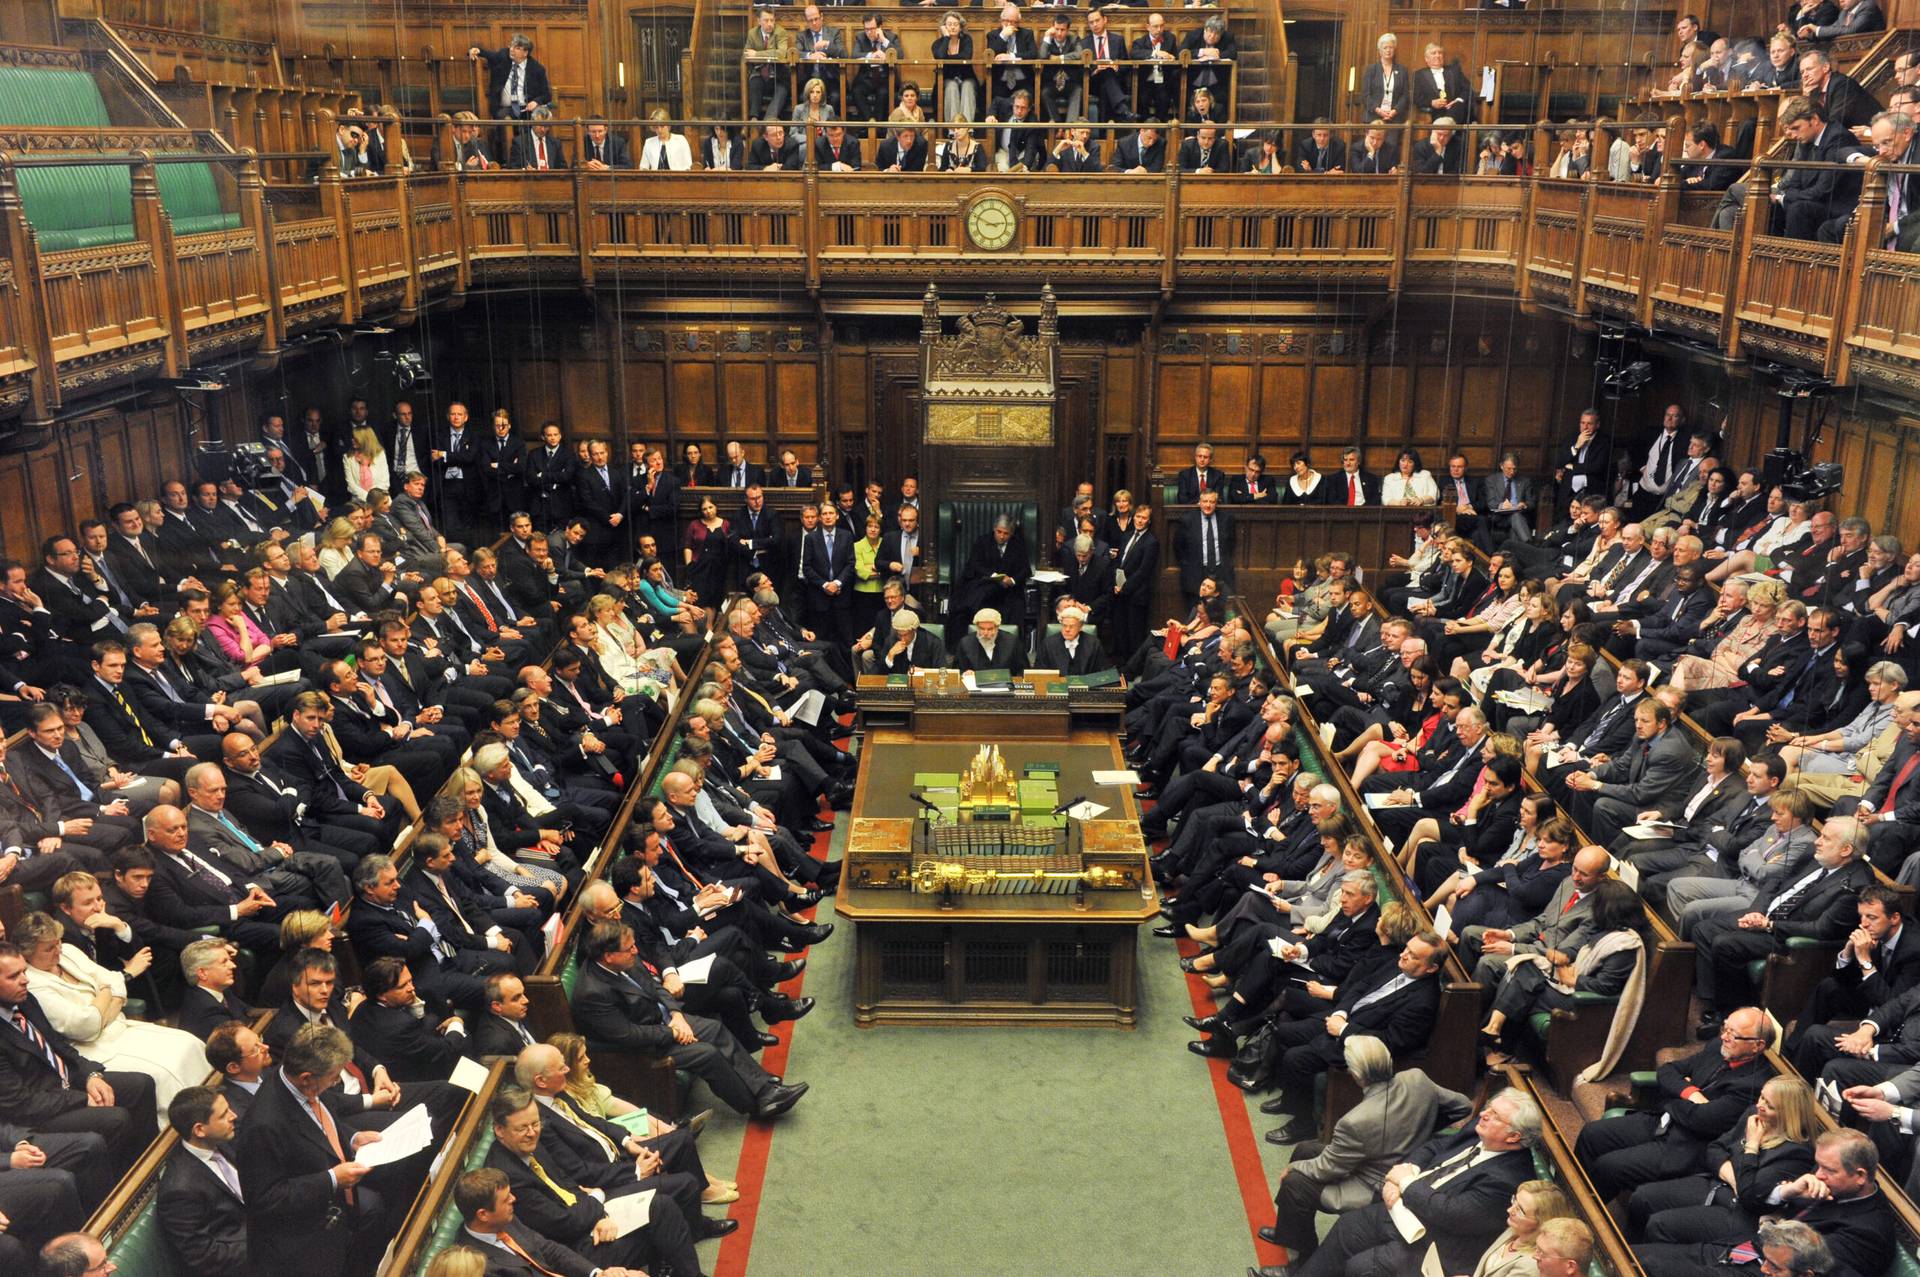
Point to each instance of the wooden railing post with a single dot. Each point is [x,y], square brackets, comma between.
[1864,231]
[153,227]
[35,335]
[1754,221]
[810,220]
[1663,210]
[584,230]
[254,216]
[1171,213]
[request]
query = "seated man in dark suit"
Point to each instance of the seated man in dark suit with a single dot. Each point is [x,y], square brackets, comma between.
[48,1086]
[386,921]
[509,1248]
[605,149]
[554,1199]
[1320,151]
[1435,152]
[240,1057]
[503,1029]
[538,146]
[619,1005]
[210,1001]
[1394,1002]
[1838,1201]
[421,1045]
[466,917]
[652,1154]
[200,1207]
[1455,1186]
[1142,152]
[1818,902]
[50,1189]
[1700,1098]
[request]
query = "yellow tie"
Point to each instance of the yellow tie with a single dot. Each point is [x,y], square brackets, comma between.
[138,725]
[540,1172]
[565,1110]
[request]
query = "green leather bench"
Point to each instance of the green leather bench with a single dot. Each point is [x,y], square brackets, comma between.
[142,1247]
[85,206]
[447,1224]
[52,97]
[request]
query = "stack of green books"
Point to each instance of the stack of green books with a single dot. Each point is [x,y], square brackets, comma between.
[1039,795]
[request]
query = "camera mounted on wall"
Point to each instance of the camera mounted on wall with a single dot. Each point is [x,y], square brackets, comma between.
[1791,468]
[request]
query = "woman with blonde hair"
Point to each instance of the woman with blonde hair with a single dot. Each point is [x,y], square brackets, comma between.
[86,1004]
[601,1102]
[1770,1145]
[665,142]
[473,839]
[300,930]
[336,546]
[458,1261]
[814,109]
[366,465]
[616,643]
[1766,600]
[1534,1203]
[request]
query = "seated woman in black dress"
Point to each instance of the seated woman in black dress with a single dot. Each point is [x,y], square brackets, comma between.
[1610,965]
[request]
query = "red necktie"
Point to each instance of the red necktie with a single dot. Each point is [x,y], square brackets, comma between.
[484,614]
[539,153]
[1353,490]
[1572,900]
[1893,790]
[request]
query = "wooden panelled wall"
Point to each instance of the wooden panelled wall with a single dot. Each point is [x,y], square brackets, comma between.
[1132,400]
[1489,382]
[87,465]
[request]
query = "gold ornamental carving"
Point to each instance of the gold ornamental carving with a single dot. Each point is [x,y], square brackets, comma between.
[970,423]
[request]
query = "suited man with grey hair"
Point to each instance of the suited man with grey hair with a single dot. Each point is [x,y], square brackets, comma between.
[1397,1113]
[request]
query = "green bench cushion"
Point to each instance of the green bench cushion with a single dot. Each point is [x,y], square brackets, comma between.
[446,1225]
[52,97]
[143,1247]
[86,206]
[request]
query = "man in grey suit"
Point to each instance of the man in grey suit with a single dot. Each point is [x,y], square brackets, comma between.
[1562,927]
[1397,1114]
[1647,773]
[290,876]
[1507,500]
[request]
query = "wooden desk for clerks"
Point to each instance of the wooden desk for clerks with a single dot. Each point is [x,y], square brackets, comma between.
[1004,959]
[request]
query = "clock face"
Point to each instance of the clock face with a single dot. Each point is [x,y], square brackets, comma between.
[991,222]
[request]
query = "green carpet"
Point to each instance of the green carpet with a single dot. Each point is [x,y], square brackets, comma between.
[954,1152]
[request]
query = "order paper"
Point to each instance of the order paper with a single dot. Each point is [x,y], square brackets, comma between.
[629,1212]
[412,1133]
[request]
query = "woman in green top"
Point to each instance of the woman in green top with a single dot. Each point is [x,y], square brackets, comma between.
[867,576]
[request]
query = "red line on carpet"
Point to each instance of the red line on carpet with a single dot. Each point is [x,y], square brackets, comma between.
[1242,1145]
[758,1144]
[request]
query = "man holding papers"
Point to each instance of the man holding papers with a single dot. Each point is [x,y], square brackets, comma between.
[1449,1194]
[550,1198]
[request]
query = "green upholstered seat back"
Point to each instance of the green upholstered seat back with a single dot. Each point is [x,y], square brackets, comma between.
[51,97]
[958,523]
[143,1247]
[570,971]
[446,1226]
[191,195]
[82,206]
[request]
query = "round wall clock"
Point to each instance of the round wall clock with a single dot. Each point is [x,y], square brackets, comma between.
[991,222]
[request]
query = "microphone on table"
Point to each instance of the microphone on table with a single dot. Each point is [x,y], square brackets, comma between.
[922,800]
[1073,802]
